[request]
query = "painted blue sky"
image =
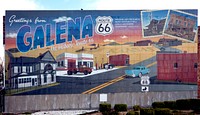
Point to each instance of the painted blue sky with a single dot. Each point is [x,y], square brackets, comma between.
[90,5]
[158,15]
[63,15]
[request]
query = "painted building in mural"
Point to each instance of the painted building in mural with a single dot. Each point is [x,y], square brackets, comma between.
[43,46]
[180,67]
[169,42]
[69,60]
[143,43]
[31,71]
[119,60]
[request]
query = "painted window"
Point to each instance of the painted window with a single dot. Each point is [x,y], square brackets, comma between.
[28,69]
[79,64]
[31,69]
[34,67]
[29,80]
[52,77]
[58,64]
[175,65]
[185,24]
[42,66]
[20,81]
[62,63]
[19,69]
[37,67]
[188,24]
[91,64]
[45,78]
[23,69]
[15,69]
[25,80]
[195,65]
[85,63]
[176,22]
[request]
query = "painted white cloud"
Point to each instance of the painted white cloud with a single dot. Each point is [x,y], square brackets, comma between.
[63,18]
[107,40]
[97,5]
[123,37]
[159,18]
[11,35]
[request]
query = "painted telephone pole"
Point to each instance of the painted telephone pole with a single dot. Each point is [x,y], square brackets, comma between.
[107,55]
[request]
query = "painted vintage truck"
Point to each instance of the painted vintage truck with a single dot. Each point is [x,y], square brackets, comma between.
[137,71]
[82,69]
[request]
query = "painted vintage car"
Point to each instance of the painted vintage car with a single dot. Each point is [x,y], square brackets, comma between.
[137,71]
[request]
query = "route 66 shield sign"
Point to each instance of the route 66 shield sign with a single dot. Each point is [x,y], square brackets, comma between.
[104,25]
[145,80]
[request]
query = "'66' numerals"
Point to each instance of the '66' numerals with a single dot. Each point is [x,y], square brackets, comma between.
[103,27]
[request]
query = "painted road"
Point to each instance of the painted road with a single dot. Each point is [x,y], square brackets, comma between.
[77,85]
[95,89]
[131,84]
[112,82]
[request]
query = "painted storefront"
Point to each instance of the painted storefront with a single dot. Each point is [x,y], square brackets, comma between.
[71,52]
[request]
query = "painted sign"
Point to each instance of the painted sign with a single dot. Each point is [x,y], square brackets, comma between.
[84,52]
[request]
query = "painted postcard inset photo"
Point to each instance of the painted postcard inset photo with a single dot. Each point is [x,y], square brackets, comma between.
[181,25]
[153,22]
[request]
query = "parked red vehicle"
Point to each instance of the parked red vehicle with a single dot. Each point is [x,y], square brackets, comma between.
[82,69]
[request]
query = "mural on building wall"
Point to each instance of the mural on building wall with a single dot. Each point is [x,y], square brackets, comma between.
[84,52]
